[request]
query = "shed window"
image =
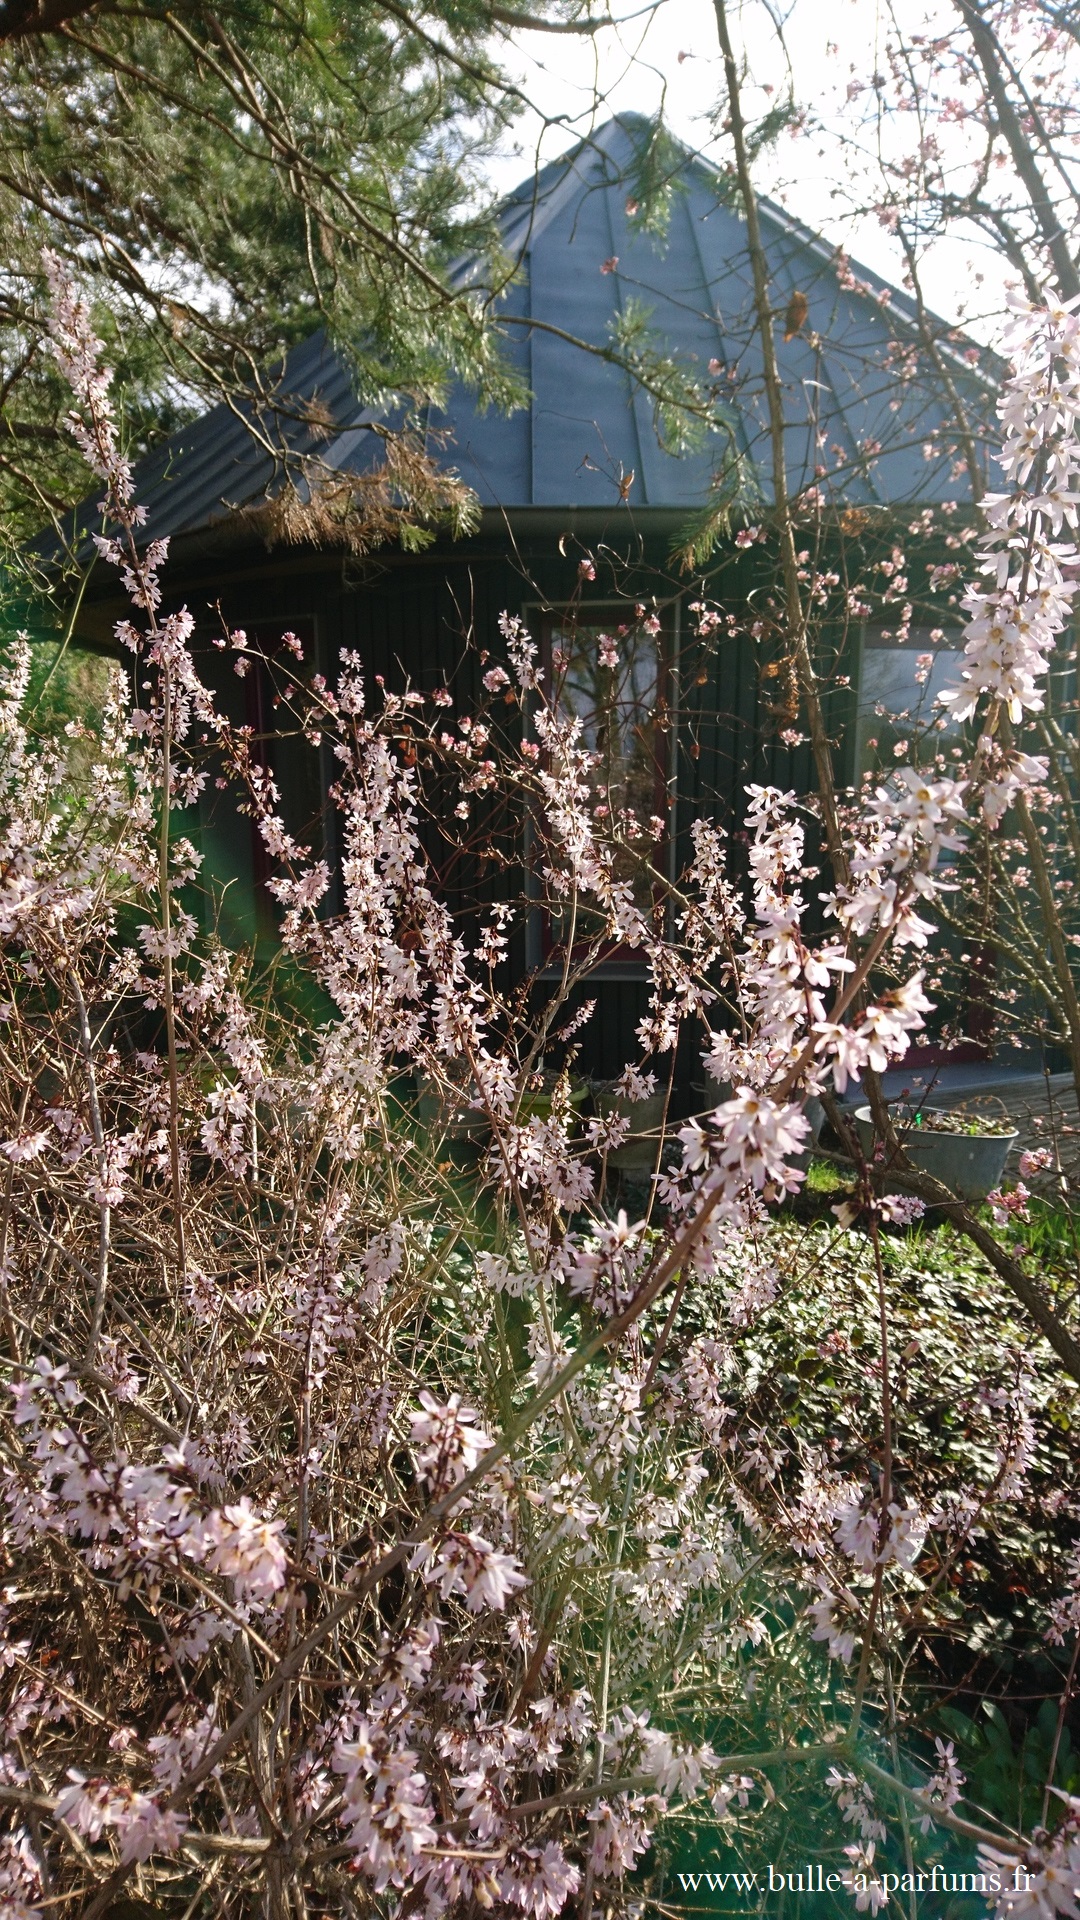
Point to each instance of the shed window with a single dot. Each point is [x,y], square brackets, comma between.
[898,689]
[608,668]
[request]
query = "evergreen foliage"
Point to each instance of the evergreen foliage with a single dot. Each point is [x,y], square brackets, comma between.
[225,179]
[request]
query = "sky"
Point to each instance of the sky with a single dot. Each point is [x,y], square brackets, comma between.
[670,54]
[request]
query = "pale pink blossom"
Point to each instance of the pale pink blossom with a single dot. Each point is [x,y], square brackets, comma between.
[240,1543]
[447,1440]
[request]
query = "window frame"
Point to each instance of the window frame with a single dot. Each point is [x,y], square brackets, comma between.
[545,956]
[862,762]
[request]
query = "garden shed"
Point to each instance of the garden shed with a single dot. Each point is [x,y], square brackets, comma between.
[584,505]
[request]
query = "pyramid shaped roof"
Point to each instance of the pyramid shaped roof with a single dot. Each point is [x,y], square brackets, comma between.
[862,401]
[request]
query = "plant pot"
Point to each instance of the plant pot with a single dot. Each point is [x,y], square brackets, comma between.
[971,1164]
[646,1117]
[445,1110]
[715,1092]
[538,1104]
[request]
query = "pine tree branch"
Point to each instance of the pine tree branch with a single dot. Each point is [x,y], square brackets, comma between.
[21,18]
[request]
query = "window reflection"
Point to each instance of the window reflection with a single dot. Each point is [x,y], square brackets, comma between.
[609,676]
[898,689]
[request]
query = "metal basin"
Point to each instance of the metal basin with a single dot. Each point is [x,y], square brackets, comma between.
[971,1164]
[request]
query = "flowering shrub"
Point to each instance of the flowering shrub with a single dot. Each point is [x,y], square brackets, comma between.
[378,1531]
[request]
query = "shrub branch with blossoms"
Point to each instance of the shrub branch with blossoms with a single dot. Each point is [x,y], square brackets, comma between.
[378,1533]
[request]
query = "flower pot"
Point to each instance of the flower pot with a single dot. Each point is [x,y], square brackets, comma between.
[714,1092]
[646,1117]
[538,1103]
[971,1164]
[445,1110]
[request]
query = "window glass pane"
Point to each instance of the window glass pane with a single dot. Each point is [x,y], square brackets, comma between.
[898,689]
[608,675]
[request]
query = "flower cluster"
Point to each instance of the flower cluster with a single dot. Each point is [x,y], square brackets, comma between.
[1029,560]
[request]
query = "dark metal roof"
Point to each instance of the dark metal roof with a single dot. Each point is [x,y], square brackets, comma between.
[586,430]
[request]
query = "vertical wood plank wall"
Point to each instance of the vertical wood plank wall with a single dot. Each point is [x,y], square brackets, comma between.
[412,619]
